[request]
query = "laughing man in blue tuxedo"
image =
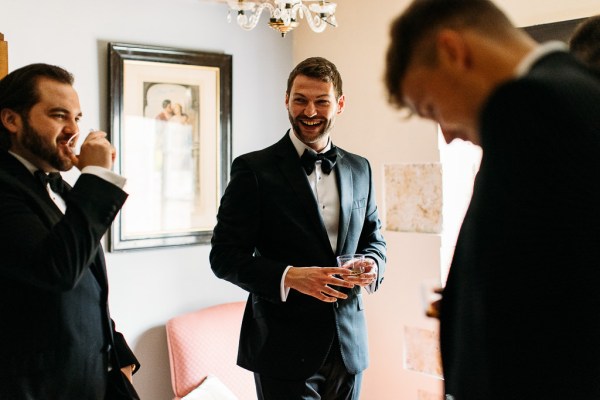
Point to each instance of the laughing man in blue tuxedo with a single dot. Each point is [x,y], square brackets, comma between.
[286,214]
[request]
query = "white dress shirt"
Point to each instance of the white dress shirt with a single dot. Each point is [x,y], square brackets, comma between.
[327,195]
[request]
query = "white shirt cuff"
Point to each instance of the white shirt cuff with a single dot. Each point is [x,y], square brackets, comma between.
[284,291]
[105,174]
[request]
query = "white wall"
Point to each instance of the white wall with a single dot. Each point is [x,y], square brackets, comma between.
[371,128]
[149,287]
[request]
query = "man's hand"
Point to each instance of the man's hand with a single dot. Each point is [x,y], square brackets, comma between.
[317,281]
[365,278]
[96,150]
[128,372]
[433,308]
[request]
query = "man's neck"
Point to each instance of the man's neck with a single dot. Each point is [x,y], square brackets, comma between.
[300,145]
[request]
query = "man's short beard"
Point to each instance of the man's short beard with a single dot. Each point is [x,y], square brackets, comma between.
[305,140]
[34,143]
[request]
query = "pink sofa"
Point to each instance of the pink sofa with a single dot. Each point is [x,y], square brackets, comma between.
[205,342]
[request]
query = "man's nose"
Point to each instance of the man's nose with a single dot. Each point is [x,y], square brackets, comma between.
[310,110]
[72,126]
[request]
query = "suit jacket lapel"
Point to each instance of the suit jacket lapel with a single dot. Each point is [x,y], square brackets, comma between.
[346,190]
[98,268]
[290,166]
[20,177]
[98,264]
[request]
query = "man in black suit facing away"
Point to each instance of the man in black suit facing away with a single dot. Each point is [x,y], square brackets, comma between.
[520,311]
[58,341]
[280,227]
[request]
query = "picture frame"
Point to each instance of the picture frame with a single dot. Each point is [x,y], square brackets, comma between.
[561,30]
[170,122]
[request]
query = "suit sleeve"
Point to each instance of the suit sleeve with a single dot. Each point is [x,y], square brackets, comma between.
[53,256]
[124,353]
[371,242]
[235,236]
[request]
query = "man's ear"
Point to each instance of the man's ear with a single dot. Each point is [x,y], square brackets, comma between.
[452,49]
[10,119]
[341,102]
[287,101]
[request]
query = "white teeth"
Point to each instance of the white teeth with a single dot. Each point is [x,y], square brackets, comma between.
[311,123]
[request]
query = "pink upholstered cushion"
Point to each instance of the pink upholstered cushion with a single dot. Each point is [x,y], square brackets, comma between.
[205,342]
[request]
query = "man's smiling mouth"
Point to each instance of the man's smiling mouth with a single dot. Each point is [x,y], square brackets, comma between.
[311,122]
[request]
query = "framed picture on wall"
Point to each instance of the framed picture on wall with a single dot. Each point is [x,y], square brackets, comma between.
[170,121]
[560,30]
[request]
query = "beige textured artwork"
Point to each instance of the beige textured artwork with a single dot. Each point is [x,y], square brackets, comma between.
[413,197]
[422,351]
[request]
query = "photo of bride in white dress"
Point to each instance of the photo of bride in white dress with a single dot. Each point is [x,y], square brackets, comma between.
[173,184]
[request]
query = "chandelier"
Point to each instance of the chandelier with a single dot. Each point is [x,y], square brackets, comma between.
[284,14]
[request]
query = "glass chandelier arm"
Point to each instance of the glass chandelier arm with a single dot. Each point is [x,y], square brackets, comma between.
[284,14]
[249,12]
[318,20]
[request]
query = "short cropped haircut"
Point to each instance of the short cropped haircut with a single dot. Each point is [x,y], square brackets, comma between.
[318,68]
[19,90]
[585,42]
[421,21]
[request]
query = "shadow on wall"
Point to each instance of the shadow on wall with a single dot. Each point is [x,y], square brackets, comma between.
[153,381]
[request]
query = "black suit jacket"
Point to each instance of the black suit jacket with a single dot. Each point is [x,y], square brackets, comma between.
[520,315]
[57,335]
[269,219]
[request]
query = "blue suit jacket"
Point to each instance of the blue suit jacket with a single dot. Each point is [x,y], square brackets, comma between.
[269,219]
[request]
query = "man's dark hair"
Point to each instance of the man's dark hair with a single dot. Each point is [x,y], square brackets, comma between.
[585,42]
[19,90]
[318,68]
[165,103]
[421,21]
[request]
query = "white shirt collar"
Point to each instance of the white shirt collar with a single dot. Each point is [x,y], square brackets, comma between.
[537,53]
[300,147]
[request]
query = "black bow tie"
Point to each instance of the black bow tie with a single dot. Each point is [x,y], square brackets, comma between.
[327,159]
[54,179]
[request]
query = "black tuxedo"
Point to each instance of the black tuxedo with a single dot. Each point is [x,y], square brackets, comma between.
[268,219]
[520,315]
[57,337]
